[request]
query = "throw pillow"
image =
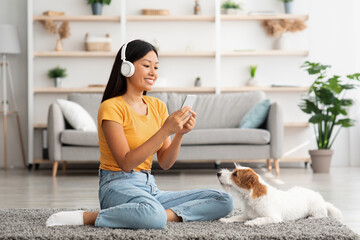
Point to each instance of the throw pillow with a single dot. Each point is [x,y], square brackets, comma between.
[256,116]
[77,116]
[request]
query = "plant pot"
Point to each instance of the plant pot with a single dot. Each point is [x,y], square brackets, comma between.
[230,11]
[197,83]
[57,82]
[288,7]
[96,8]
[253,82]
[321,160]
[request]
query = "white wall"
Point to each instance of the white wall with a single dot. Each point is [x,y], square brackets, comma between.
[331,38]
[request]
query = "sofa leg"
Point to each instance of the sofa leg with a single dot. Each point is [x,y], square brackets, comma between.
[64,164]
[269,166]
[55,167]
[277,168]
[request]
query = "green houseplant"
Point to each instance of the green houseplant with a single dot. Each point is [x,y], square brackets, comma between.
[96,5]
[230,7]
[328,106]
[252,80]
[57,74]
[288,4]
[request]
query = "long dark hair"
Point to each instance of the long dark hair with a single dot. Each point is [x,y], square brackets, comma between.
[117,85]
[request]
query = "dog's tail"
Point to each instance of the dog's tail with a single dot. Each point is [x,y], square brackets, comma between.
[333,212]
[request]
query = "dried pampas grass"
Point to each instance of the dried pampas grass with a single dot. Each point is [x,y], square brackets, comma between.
[276,27]
[63,31]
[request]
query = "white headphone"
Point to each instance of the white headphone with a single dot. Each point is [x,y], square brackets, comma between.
[127,68]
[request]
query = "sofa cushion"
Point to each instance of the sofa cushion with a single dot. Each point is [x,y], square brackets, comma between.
[218,110]
[89,101]
[77,116]
[226,136]
[256,115]
[79,138]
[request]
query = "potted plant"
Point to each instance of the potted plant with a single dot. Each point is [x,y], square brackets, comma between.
[252,80]
[288,4]
[230,7]
[197,82]
[96,5]
[328,106]
[57,74]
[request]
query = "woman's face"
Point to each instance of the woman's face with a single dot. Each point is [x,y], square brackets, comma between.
[146,72]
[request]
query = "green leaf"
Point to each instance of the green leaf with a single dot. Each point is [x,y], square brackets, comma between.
[346,122]
[309,107]
[317,118]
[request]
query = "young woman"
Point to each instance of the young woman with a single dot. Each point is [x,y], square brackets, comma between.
[131,128]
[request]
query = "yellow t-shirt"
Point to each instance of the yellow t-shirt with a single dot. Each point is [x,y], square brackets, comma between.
[138,128]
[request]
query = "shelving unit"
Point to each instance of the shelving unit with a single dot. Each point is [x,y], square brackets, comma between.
[122,20]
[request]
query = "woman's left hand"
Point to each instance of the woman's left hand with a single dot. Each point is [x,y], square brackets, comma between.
[189,125]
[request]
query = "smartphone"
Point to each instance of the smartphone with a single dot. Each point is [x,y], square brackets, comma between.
[189,101]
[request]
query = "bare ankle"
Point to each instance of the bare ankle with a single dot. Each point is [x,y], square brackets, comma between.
[90,217]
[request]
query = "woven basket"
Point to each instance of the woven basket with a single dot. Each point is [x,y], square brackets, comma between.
[155,12]
[98,44]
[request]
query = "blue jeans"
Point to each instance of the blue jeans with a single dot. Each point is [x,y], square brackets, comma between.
[132,200]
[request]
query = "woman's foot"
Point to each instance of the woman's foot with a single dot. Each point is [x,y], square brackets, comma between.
[66,218]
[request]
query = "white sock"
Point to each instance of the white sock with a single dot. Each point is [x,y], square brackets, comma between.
[66,218]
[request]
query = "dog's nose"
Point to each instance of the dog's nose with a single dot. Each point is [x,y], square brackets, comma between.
[218,174]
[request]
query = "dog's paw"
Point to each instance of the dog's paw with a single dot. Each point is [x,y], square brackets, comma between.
[225,220]
[251,223]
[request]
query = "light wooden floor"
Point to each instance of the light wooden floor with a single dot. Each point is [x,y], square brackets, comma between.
[78,189]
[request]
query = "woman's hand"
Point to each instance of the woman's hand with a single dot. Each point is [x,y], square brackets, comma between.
[176,121]
[190,124]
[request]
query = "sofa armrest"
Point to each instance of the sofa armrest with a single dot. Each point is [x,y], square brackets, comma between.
[56,124]
[275,124]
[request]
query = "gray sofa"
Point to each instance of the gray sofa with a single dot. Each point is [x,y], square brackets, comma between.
[215,137]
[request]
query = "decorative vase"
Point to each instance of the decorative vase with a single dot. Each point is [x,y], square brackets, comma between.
[57,82]
[288,7]
[282,42]
[96,8]
[253,82]
[320,160]
[198,83]
[58,47]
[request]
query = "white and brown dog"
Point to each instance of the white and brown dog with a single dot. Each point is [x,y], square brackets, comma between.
[264,204]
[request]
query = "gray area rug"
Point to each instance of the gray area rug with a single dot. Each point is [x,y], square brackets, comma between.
[30,224]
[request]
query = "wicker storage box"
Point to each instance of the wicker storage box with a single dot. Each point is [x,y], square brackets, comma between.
[102,44]
[155,12]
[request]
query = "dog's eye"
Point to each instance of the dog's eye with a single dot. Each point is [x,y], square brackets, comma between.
[234,173]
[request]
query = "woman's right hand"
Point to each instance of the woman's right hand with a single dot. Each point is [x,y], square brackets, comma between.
[175,122]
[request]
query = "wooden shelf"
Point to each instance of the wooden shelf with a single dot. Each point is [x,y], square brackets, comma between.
[101,90]
[187,54]
[113,54]
[174,54]
[263,17]
[169,18]
[74,54]
[265,89]
[84,18]
[193,18]
[296,124]
[265,53]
